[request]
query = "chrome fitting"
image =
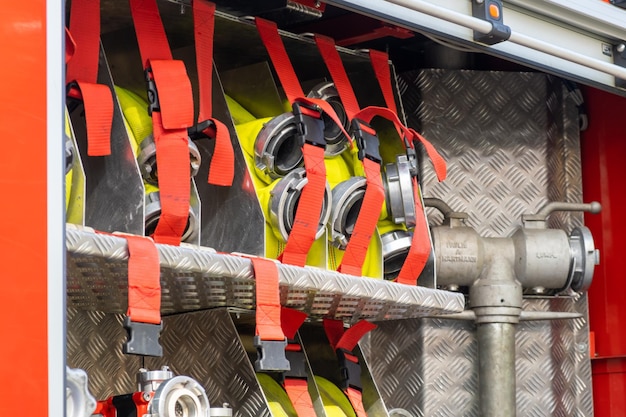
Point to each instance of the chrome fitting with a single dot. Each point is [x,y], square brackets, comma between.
[147,160]
[347,197]
[153,214]
[284,199]
[396,246]
[173,395]
[277,149]
[584,258]
[69,154]
[78,400]
[336,141]
[398,182]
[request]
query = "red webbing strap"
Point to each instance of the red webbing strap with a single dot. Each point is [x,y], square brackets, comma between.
[439,163]
[298,393]
[309,208]
[83,70]
[356,250]
[291,320]
[420,245]
[347,340]
[144,280]
[151,36]
[356,399]
[380,63]
[222,169]
[268,310]
[170,123]
[338,73]
[70,46]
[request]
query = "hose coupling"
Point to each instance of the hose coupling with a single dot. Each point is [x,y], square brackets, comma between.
[153,214]
[398,182]
[336,141]
[396,245]
[277,148]
[347,197]
[147,160]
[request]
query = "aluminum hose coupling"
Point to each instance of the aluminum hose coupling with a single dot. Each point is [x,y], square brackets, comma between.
[396,245]
[336,141]
[284,199]
[69,153]
[347,197]
[277,148]
[78,400]
[147,160]
[153,214]
[399,196]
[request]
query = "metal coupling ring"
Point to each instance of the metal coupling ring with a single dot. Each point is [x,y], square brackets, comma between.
[398,183]
[78,400]
[284,199]
[396,246]
[153,213]
[147,160]
[69,154]
[347,197]
[277,149]
[584,258]
[180,396]
[336,141]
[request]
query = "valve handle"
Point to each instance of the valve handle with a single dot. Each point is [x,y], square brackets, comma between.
[594,207]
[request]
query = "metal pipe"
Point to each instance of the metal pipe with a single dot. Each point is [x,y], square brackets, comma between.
[485,27]
[496,369]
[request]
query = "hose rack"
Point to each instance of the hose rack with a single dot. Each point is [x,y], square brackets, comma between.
[196,278]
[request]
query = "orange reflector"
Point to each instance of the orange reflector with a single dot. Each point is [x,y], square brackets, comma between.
[494,11]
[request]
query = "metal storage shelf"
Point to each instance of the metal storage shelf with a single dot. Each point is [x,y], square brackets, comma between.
[195,278]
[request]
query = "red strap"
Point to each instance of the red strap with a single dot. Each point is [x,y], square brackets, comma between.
[354,256]
[170,123]
[70,46]
[420,245]
[356,399]
[309,208]
[149,29]
[380,63]
[298,393]
[340,338]
[83,69]
[268,310]
[85,27]
[222,168]
[98,103]
[144,280]
[338,73]
[291,320]
[438,162]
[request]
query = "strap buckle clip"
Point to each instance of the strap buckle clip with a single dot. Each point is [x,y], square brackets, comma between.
[297,361]
[143,338]
[310,128]
[350,370]
[366,139]
[202,130]
[411,157]
[153,95]
[271,355]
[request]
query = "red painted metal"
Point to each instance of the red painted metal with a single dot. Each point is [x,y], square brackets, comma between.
[23,211]
[604,170]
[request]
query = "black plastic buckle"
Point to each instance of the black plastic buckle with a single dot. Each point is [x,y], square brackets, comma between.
[271,355]
[143,338]
[490,11]
[297,363]
[153,95]
[368,144]
[199,130]
[350,371]
[73,96]
[310,129]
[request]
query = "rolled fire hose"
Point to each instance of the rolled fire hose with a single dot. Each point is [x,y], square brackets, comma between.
[336,404]
[139,125]
[275,159]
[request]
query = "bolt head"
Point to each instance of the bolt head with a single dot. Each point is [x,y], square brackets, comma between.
[621,48]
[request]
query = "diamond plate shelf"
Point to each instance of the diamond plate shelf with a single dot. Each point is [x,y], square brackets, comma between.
[195,278]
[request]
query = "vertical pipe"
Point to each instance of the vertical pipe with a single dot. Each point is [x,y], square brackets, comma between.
[496,369]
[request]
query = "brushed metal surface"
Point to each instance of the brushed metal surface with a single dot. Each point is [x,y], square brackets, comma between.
[194,278]
[512,144]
